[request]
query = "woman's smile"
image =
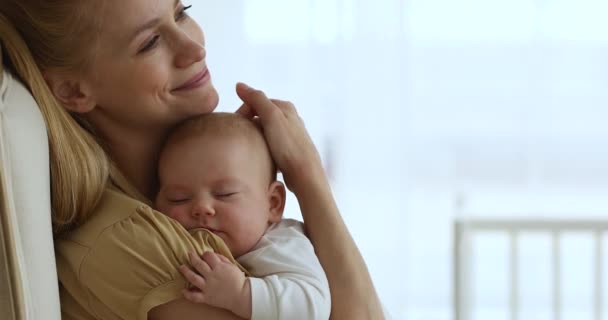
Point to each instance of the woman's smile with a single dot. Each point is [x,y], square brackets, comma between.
[196,81]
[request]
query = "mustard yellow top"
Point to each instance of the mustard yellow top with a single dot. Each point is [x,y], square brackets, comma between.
[123,261]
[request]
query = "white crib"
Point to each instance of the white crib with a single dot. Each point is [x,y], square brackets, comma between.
[465,228]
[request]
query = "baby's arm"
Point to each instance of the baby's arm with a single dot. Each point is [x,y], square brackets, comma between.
[289,281]
[219,283]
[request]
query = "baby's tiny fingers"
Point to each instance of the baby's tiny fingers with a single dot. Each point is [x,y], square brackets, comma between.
[224,259]
[211,259]
[199,264]
[192,277]
[194,296]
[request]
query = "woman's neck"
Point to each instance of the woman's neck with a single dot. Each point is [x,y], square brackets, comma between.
[137,158]
[134,148]
[138,162]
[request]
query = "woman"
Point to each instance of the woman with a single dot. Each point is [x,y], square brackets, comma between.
[111,78]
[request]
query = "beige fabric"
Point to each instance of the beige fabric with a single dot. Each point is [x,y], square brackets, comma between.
[124,260]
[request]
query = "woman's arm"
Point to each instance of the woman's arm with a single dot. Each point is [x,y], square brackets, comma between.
[184,309]
[352,291]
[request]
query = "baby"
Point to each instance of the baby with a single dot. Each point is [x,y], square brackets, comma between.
[216,172]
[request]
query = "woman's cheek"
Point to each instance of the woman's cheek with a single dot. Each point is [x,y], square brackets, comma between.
[152,76]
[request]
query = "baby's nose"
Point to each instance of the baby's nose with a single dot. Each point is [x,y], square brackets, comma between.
[203,208]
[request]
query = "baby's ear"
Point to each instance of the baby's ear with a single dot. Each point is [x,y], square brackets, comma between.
[276,199]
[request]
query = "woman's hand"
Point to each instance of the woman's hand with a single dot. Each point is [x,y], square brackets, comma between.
[353,295]
[289,143]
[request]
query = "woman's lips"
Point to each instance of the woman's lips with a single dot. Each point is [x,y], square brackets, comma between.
[198,80]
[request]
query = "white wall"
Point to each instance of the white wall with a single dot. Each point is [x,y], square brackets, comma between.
[417,104]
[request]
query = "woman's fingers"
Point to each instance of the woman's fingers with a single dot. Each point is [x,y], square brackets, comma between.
[289,143]
[246,111]
[192,277]
[256,104]
[287,107]
[256,100]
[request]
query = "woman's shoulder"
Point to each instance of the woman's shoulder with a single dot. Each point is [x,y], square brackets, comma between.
[119,228]
[122,233]
[128,230]
[123,224]
[114,208]
[127,251]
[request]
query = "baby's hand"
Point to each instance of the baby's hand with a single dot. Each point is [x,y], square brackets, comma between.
[218,283]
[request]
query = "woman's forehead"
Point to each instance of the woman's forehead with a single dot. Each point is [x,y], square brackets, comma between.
[124,19]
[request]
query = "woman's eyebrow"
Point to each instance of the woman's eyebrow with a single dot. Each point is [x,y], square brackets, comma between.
[150,24]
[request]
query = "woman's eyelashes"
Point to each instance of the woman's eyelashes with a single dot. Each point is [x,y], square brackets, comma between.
[150,44]
[179,16]
[181,13]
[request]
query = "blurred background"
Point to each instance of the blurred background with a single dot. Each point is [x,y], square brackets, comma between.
[430,111]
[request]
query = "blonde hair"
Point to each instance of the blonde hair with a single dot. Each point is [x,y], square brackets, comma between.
[40,35]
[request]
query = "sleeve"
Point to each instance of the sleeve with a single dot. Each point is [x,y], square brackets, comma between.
[290,282]
[133,266]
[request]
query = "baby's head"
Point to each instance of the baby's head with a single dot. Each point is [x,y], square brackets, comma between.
[216,172]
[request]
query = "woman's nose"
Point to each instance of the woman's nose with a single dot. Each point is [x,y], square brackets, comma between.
[188,52]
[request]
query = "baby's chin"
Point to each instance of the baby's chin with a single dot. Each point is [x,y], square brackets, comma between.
[238,252]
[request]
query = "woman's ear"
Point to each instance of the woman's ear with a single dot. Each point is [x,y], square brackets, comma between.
[74,95]
[276,199]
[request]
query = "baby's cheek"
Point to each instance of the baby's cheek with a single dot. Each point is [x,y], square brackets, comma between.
[176,213]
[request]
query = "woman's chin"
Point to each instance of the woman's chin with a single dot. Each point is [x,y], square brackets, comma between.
[206,101]
[213,99]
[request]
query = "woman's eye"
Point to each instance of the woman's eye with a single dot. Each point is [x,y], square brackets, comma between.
[181,14]
[150,44]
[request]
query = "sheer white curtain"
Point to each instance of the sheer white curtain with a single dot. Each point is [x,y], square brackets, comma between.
[417,105]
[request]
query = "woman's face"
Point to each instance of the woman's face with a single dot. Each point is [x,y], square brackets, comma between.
[149,70]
